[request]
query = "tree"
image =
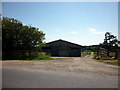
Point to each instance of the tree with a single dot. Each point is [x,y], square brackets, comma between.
[111,40]
[17,36]
[111,43]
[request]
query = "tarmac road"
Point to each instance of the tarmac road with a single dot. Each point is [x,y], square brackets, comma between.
[31,78]
[82,72]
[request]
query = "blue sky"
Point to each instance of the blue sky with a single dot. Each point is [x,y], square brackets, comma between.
[84,23]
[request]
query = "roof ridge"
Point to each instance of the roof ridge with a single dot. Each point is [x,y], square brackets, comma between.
[63,41]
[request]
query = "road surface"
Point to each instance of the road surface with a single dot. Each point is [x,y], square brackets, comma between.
[74,73]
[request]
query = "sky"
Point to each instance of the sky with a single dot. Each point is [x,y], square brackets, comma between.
[83,23]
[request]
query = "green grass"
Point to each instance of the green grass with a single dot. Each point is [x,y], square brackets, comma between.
[45,58]
[111,61]
[112,54]
[33,58]
[42,56]
[86,53]
[114,63]
[95,56]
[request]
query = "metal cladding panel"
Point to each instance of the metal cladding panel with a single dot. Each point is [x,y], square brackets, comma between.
[54,51]
[64,48]
[64,53]
[75,52]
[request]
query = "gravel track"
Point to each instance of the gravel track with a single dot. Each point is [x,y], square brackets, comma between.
[79,64]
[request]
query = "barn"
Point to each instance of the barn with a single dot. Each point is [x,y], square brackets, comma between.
[63,48]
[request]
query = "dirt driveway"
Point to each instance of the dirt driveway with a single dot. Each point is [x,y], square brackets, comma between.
[80,64]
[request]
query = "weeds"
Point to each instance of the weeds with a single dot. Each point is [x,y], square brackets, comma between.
[108,61]
[86,53]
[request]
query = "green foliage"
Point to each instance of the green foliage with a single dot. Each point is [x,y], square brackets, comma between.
[112,54]
[33,58]
[111,44]
[93,48]
[113,62]
[17,36]
[95,56]
[111,40]
[41,56]
[46,58]
[86,53]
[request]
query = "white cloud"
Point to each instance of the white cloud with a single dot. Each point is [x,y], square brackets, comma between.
[95,31]
[74,32]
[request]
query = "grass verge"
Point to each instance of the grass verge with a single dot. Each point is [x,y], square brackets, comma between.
[111,61]
[33,58]
[46,58]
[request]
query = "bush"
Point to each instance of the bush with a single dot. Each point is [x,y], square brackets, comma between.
[85,53]
[95,56]
[43,55]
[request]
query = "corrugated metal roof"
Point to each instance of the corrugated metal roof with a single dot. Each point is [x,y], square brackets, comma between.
[63,41]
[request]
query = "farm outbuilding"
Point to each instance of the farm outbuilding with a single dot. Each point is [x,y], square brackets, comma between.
[63,48]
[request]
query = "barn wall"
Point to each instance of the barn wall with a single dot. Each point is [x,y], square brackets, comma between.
[54,51]
[62,48]
[75,52]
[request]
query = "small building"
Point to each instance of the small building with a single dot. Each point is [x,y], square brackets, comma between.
[63,48]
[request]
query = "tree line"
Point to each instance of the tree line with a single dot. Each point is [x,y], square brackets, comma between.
[16,36]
